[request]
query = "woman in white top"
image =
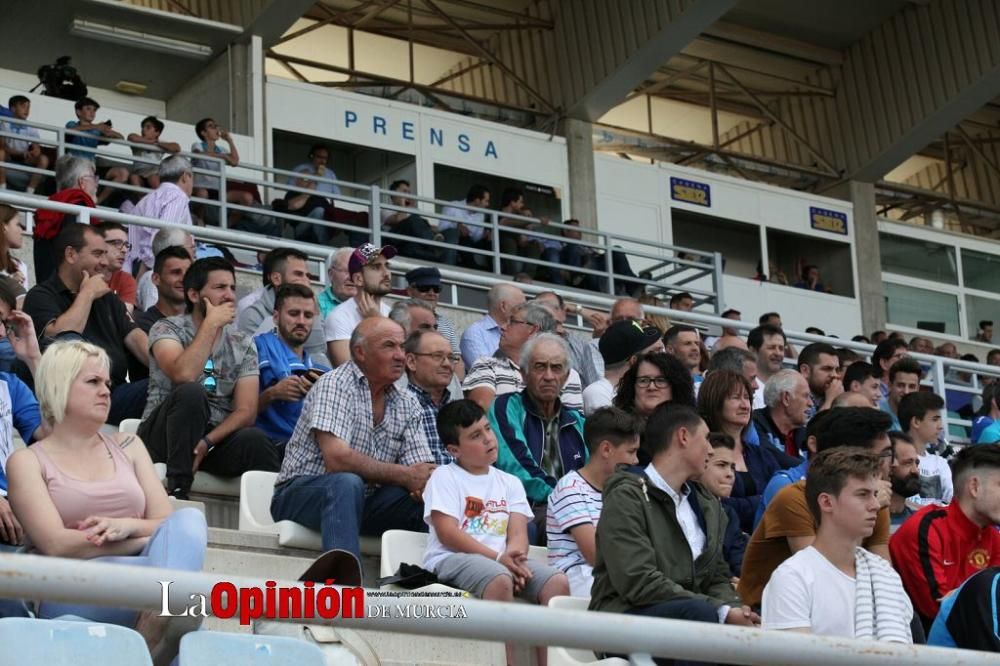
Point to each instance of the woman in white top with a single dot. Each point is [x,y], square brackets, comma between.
[12,239]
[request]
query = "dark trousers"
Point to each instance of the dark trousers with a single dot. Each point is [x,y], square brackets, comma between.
[337,506]
[695,610]
[45,262]
[128,401]
[177,425]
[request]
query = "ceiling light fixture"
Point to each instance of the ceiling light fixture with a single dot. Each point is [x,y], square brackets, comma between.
[139,40]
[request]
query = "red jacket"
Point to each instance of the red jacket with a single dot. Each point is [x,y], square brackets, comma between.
[48,223]
[936,550]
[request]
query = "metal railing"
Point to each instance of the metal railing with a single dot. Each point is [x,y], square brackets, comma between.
[936,377]
[607,255]
[140,588]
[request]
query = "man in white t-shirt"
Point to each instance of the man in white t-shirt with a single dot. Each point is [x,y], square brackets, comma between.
[834,587]
[478,519]
[612,438]
[368,268]
[620,345]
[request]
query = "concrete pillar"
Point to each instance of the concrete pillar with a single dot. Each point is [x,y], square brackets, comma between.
[582,183]
[867,253]
[222,90]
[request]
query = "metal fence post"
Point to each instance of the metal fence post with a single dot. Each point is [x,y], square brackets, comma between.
[495,233]
[939,381]
[720,301]
[375,215]
[223,208]
[61,148]
[609,267]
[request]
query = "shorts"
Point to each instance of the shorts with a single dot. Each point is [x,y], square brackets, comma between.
[473,573]
[581,579]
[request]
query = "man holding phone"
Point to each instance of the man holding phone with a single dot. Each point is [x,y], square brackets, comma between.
[286,370]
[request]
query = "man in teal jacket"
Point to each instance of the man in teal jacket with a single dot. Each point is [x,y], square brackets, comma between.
[660,538]
[539,440]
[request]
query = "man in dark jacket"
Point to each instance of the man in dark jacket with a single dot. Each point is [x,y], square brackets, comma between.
[660,538]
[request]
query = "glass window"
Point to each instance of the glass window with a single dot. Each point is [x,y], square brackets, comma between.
[918,258]
[738,242]
[792,253]
[979,309]
[980,270]
[921,308]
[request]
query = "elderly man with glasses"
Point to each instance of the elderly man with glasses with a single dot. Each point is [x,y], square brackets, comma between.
[430,368]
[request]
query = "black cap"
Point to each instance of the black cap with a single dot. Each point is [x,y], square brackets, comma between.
[624,339]
[425,276]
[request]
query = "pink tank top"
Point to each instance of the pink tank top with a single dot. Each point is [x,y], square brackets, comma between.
[121,496]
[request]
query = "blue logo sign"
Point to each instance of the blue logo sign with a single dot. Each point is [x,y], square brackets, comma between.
[690,192]
[832,221]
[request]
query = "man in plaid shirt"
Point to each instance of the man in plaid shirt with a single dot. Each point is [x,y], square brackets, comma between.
[358,458]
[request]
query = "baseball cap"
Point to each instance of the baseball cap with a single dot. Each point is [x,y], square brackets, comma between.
[624,339]
[425,276]
[86,101]
[366,254]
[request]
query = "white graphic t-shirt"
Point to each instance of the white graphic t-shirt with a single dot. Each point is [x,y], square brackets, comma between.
[482,504]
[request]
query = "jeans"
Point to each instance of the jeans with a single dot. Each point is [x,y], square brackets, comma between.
[336,505]
[177,425]
[128,401]
[695,610]
[178,543]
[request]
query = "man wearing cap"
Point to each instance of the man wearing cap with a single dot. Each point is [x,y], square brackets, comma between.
[620,344]
[368,268]
[424,283]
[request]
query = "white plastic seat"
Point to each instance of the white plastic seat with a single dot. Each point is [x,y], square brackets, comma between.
[256,491]
[561,656]
[211,648]
[399,546]
[66,642]
[129,425]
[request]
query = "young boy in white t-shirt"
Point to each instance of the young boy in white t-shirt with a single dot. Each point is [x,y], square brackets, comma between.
[920,417]
[612,438]
[478,517]
[816,590]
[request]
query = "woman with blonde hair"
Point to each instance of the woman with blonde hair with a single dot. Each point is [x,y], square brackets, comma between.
[80,493]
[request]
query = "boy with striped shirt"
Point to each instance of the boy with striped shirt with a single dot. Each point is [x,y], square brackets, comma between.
[612,438]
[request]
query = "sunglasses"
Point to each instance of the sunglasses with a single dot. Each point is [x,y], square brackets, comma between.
[209,382]
[436,288]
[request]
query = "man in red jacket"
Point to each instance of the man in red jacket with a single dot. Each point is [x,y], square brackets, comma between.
[939,547]
[76,183]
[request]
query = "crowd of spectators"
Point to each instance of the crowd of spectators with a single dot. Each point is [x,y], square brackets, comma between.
[727,480]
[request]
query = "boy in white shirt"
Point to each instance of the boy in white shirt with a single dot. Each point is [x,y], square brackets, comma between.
[574,505]
[834,587]
[478,518]
[920,416]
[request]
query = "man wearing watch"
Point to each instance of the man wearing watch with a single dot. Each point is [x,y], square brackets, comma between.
[203,386]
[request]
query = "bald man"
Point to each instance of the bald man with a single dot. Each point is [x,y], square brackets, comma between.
[342,475]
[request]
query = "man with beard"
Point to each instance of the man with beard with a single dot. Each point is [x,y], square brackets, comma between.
[820,365]
[358,459]
[203,378]
[171,264]
[905,479]
[684,343]
[368,268]
[286,370]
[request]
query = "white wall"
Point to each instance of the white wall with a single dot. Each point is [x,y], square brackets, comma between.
[431,136]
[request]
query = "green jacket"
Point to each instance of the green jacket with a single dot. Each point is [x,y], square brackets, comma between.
[643,557]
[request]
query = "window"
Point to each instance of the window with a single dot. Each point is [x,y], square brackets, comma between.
[790,253]
[980,271]
[917,258]
[921,308]
[737,242]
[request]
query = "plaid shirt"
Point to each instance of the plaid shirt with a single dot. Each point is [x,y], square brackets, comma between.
[340,403]
[430,412]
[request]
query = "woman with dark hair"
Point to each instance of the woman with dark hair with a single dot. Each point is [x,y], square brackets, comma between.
[11,238]
[653,379]
[724,401]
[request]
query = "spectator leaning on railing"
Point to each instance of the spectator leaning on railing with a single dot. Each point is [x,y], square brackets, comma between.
[22,151]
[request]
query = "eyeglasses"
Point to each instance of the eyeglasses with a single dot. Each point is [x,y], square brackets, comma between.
[436,288]
[209,380]
[658,382]
[120,244]
[519,321]
[439,357]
